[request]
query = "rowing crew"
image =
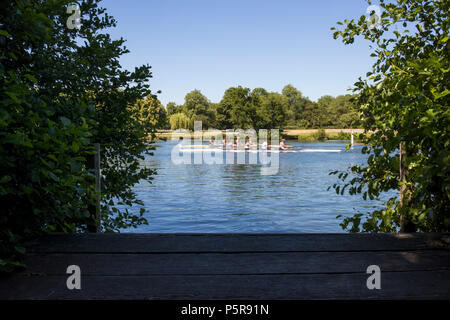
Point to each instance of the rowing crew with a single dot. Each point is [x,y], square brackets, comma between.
[235,144]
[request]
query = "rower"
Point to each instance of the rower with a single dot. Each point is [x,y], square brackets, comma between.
[283,145]
[230,145]
[212,141]
[265,146]
[248,144]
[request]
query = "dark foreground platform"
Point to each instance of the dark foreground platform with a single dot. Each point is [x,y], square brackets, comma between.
[231,266]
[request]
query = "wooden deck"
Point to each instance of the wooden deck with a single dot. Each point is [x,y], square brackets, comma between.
[252,266]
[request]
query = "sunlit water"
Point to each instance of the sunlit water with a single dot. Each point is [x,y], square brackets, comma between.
[236,198]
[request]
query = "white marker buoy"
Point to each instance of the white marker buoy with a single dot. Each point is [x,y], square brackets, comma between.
[351,132]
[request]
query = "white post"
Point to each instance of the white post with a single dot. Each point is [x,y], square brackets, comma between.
[351,136]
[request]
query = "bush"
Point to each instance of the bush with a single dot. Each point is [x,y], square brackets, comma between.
[340,136]
[57,97]
[321,135]
[404,102]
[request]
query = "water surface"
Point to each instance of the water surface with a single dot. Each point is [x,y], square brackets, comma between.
[236,198]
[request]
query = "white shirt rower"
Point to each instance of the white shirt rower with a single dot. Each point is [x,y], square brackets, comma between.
[283,145]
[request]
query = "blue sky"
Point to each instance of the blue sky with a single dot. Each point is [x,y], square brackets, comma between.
[212,45]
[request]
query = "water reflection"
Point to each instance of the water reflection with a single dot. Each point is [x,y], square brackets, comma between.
[237,198]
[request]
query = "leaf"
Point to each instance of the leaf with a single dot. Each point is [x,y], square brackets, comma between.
[5,179]
[4,33]
[65,121]
[53,176]
[31,78]
[13,97]
[20,249]
[438,95]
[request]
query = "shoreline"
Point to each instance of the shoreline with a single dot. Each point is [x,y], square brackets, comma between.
[300,135]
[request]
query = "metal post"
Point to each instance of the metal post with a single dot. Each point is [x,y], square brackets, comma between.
[93,164]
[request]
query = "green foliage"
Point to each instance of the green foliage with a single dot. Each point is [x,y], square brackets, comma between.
[296,103]
[404,100]
[61,91]
[311,116]
[307,138]
[150,114]
[172,108]
[272,111]
[321,135]
[197,108]
[340,136]
[236,109]
[339,112]
[242,108]
[179,121]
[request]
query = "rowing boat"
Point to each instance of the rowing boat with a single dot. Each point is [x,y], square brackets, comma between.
[202,146]
[210,149]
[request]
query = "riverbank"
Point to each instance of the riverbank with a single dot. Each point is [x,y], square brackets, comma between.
[301,135]
[322,135]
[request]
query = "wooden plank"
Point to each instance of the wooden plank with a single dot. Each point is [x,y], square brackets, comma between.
[236,263]
[394,285]
[142,243]
[231,266]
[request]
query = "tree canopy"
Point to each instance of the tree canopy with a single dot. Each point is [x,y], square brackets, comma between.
[244,108]
[404,101]
[61,91]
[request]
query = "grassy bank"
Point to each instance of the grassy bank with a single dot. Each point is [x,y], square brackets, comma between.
[321,136]
[302,135]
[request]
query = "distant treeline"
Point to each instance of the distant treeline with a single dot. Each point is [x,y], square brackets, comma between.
[244,108]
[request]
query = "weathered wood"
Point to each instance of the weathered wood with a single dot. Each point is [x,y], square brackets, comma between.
[255,266]
[138,243]
[394,285]
[236,263]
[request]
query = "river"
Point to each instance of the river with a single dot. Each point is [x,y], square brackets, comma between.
[236,198]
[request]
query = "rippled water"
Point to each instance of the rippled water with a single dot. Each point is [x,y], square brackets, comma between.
[236,198]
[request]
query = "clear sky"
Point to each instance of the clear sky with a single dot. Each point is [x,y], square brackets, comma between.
[212,45]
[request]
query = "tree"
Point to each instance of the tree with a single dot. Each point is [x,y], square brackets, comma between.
[296,104]
[150,114]
[223,116]
[258,92]
[62,90]
[327,112]
[212,115]
[344,112]
[179,121]
[311,117]
[271,114]
[406,117]
[237,108]
[197,107]
[195,103]
[172,108]
[337,112]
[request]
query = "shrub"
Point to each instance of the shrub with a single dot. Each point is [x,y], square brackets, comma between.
[58,95]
